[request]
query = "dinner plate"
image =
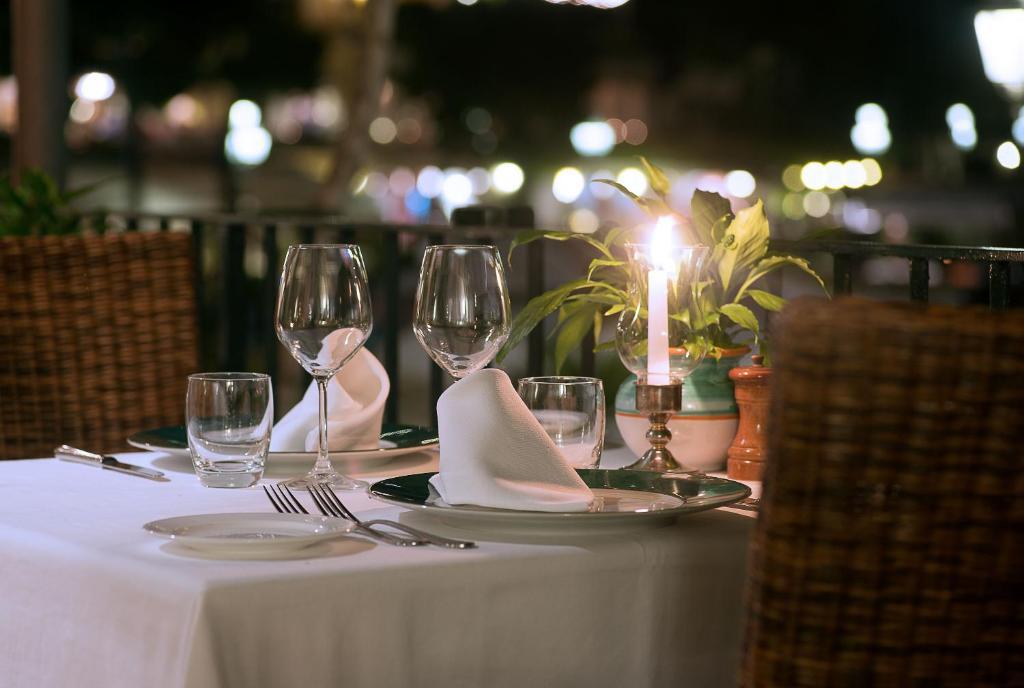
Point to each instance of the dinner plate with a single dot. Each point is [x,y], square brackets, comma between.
[395,440]
[624,500]
[249,533]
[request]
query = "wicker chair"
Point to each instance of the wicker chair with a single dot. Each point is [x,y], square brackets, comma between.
[890,548]
[97,334]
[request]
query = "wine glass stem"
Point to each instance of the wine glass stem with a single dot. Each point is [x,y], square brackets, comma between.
[323,462]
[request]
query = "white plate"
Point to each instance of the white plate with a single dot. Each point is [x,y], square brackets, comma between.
[249,533]
[624,500]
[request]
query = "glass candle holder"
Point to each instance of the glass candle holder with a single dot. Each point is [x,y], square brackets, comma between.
[665,316]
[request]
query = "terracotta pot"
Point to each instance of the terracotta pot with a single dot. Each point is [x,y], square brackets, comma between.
[753,394]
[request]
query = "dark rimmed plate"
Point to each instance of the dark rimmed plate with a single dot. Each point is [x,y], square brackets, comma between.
[395,440]
[624,500]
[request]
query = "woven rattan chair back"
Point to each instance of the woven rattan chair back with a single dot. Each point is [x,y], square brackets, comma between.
[890,547]
[97,334]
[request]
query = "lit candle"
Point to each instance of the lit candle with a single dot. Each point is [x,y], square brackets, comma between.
[660,250]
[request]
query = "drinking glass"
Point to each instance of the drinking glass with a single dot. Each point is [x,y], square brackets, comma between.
[571,411]
[461,315]
[228,422]
[323,319]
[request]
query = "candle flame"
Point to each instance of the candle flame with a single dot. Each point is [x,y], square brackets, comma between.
[660,249]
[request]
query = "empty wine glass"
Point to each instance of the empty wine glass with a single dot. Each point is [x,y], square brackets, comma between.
[323,318]
[461,316]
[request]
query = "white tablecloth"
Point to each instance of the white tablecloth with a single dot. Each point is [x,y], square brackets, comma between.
[87,598]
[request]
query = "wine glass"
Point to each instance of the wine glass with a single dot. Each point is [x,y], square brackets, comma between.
[323,319]
[461,316]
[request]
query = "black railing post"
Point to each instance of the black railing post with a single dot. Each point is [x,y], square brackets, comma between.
[392,284]
[998,285]
[198,286]
[534,288]
[233,353]
[842,274]
[267,320]
[919,279]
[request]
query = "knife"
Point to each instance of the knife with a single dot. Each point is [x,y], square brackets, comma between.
[68,453]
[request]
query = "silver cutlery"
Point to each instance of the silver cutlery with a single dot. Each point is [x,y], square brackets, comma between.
[327,494]
[68,453]
[748,504]
[286,503]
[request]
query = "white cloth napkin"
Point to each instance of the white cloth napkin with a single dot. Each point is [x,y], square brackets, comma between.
[495,453]
[355,408]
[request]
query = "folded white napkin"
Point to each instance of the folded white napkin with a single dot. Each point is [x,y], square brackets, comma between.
[355,407]
[495,453]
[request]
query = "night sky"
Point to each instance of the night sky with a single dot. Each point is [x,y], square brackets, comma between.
[786,75]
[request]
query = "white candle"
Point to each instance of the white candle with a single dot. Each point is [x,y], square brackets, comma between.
[657,304]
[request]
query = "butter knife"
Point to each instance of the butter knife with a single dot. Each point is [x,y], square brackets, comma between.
[68,453]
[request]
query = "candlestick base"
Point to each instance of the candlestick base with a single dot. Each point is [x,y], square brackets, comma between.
[660,402]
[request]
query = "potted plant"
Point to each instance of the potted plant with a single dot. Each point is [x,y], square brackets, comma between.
[739,260]
[37,206]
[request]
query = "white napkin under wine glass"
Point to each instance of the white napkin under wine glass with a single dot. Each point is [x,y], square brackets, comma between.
[495,453]
[355,410]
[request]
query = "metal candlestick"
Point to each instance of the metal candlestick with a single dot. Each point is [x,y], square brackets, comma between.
[659,402]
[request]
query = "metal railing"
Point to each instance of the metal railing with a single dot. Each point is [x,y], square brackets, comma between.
[236,301]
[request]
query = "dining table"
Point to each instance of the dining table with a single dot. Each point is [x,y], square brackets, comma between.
[88,598]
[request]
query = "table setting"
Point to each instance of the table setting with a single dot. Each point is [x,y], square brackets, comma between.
[519,509]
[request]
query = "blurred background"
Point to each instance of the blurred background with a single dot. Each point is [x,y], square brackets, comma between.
[895,122]
[880,116]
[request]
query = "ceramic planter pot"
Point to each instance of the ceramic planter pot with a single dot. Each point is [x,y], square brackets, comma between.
[703,430]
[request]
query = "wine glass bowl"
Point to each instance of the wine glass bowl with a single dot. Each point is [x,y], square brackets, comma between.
[461,315]
[323,318]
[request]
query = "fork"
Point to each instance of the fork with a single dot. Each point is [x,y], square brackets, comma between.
[286,503]
[328,495]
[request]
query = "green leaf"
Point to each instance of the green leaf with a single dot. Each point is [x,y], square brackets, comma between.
[653,206]
[617,308]
[748,244]
[767,300]
[773,263]
[538,308]
[706,209]
[656,177]
[528,236]
[603,263]
[742,316]
[572,333]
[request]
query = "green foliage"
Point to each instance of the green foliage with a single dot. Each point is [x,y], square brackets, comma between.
[738,260]
[37,206]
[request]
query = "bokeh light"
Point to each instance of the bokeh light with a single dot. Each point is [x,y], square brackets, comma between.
[791,178]
[634,180]
[1008,155]
[872,170]
[812,175]
[817,204]
[383,130]
[243,114]
[248,145]
[584,221]
[95,86]
[592,138]
[429,181]
[740,183]
[567,184]
[457,189]
[834,174]
[507,177]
